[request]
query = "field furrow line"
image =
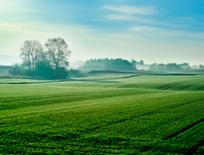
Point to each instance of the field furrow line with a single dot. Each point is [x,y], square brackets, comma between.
[194,149]
[182,130]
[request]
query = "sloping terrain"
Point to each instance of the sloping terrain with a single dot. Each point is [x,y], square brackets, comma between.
[127,115]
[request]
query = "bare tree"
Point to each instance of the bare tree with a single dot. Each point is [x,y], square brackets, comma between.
[57,52]
[49,63]
[31,53]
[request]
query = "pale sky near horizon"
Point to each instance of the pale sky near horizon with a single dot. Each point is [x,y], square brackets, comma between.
[152,30]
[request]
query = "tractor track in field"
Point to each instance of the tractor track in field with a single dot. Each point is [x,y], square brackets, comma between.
[63,97]
[152,112]
[194,149]
[58,96]
[183,130]
[133,117]
[60,81]
[88,130]
[166,87]
[35,82]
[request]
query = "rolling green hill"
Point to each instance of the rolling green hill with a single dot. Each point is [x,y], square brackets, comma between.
[107,114]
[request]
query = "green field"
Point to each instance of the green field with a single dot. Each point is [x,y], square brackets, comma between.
[111,114]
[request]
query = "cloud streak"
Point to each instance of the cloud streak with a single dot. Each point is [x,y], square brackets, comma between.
[131,10]
[128,13]
[108,28]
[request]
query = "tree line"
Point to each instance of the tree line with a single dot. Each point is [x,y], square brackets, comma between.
[106,64]
[170,67]
[49,61]
[122,65]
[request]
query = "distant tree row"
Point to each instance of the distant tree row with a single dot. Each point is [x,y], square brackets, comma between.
[50,62]
[107,64]
[201,67]
[130,66]
[170,67]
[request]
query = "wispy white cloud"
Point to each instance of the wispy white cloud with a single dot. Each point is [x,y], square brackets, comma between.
[165,34]
[120,17]
[128,13]
[126,9]
[140,42]
[144,32]
[143,29]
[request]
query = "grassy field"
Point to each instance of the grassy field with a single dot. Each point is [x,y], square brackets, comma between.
[109,114]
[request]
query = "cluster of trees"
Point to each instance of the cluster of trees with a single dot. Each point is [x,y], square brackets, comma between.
[170,67]
[201,67]
[49,62]
[106,64]
[122,65]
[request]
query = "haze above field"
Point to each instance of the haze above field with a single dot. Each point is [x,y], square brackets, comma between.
[155,30]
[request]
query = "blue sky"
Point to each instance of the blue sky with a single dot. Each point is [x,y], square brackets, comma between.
[153,30]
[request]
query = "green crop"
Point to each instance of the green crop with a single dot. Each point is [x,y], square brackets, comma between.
[103,115]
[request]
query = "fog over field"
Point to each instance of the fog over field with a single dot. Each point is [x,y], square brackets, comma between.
[96,77]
